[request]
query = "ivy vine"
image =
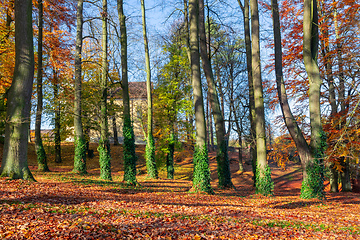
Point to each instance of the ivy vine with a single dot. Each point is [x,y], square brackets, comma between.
[264,184]
[201,178]
[80,156]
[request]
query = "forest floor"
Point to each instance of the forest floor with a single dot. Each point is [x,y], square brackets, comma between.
[62,205]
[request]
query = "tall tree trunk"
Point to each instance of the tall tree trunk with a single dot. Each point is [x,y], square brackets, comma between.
[313,185]
[14,162]
[57,119]
[150,143]
[264,184]
[128,132]
[246,14]
[290,122]
[222,158]
[345,175]
[104,144]
[239,130]
[186,26]
[333,179]
[80,142]
[40,151]
[201,179]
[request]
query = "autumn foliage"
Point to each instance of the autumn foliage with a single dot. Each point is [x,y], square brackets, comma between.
[64,205]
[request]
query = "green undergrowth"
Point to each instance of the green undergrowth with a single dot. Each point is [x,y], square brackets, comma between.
[304,225]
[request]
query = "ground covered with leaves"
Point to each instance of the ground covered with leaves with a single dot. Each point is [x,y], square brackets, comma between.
[62,205]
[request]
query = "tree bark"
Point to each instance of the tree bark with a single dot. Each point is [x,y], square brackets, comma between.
[114,126]
[345,179]
[290,122]
[14,162]
[150,143]
[170,155]
[263,175]
[246,13]
[104,144]
[128,132]
[201,181]
[57,119]
[222,158]
[40,151]
[80,142]
[314,183]
[186,26]
[333,179]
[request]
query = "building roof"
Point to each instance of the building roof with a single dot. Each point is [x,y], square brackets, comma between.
[137,90]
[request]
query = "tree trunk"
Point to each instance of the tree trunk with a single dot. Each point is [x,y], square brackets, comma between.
[80,142]
[128,132]
[14,162]
[170,156]
[150,143]
[186,26]
[201,179]
[57,119]
[264,184]
[238,123]
[333,179]
[313,185]
[346,184]
[104,144]
[290,122]
[222,158]
[246,13]
[40,151]
[345,176]
[114,126]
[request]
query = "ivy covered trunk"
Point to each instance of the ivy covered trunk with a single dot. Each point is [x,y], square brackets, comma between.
[201,178]
[313,183]
[104,144]
[263,182]
[150,143]
[222,158]
[40,151]
[80,142]
[128,132]
[14,162]
[302,146]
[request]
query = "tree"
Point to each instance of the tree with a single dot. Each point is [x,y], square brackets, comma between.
[337,71]
[57,116]
[201,178]
[313,178]
[40,151]
[150,143]
[7,57]
[222,158]
[14,163]
[263,184]
[246,16]
[80,143]
[302,146]
[172,101]
[104,144]
[128,132]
